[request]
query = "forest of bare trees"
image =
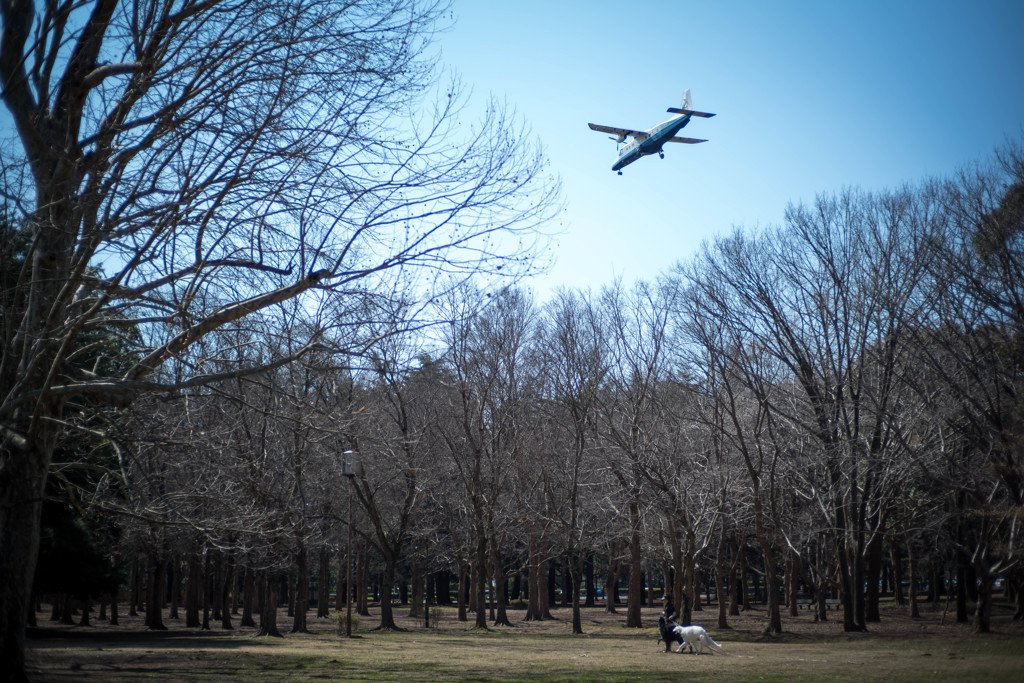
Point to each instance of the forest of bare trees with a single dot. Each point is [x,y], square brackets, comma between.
[830,406]
[234,249]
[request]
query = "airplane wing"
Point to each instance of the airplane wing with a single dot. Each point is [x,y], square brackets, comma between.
[620,132]
[691,141]
[676,110]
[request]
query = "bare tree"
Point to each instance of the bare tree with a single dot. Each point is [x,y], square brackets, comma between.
[637,329]
[813,322]
[679,478]
[970,345]
[746,421]
[488,356]
[575,365]
[395,447]
[192,166]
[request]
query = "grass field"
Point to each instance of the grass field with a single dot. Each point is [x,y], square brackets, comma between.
[897,649]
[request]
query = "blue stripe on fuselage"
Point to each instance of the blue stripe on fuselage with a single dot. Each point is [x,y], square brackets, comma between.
[660,134]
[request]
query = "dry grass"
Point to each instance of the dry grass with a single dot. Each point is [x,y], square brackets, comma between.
[898,649]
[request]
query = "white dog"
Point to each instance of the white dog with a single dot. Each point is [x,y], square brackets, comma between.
[695,635]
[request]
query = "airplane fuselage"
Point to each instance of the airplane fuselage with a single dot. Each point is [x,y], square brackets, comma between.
[652,144]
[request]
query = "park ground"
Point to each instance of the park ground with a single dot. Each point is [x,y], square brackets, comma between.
[931,648]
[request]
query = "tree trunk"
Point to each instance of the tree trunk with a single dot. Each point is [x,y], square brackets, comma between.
[174,586]
[633,619]
[501,617]
[766,540]
[323,594]
[566,582]
[678,587]
[480,582]
[744,578]
[912,576]
[21,495]
[551,594]
[793,571]
[818,581]
[67,608]
[387,615]
[611,582]
[936,587]
[362,587]
[897,573]
[192,589]
[545,588]
[576,576]
[872,612]
[216,577]
[471,589]
[847,591]
[236,587]
[588,580]
[288,592]
[418,589]
[463,585]
[268,605]
[135,588]
[733,583]
[533,578]
[301,597]
[771,585]
[983,610]
[205,589]
[155,593]
[248,598]
[859,579]
[721,586]
[688,582]
[224,588]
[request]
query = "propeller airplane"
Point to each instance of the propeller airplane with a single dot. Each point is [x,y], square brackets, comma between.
[650,141]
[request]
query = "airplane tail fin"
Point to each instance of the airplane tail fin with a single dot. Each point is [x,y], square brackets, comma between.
[687,107]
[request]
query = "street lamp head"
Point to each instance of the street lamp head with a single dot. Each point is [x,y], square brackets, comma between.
[351,464]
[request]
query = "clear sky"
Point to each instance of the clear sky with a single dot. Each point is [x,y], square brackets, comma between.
[810,97]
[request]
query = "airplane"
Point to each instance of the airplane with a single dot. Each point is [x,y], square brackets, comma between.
[650,141]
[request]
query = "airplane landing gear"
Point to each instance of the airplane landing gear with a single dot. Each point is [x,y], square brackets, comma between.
[620,172]
[661,155]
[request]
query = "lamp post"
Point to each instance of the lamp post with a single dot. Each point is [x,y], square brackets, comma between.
[351,464]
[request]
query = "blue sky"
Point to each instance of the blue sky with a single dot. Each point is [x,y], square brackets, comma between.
[811,97]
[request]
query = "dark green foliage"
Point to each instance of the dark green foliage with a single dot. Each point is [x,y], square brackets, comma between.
[71,558]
